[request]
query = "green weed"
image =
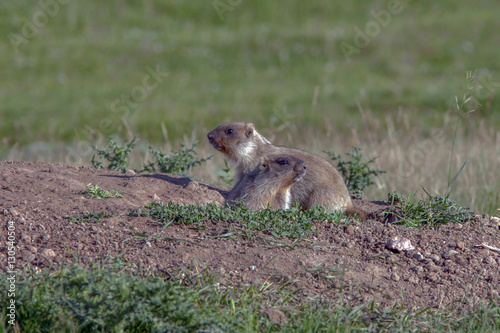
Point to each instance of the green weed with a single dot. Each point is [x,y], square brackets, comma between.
[431,212]
[116,155]
[292,223]
[177,162]
[225,174]
[358,175]
[95,192]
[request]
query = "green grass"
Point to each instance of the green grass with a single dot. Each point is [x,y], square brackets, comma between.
[112,299]
[292,223]
[62,83]
[96,192]
[430,212]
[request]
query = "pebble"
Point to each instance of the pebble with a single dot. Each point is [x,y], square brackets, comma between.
[349,230]
[413,279]
[435,257]
[48,253]
[417,269]
[399,244]
[130,173]
[275,315]
[489,260]
[448,254]
[419,257]
[395,277]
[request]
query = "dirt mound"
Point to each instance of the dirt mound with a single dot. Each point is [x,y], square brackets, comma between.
[448,264]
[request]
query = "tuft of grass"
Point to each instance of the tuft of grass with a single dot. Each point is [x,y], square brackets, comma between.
[358,175]
[93,217]
[292,223]
[177,163]
[432,212]
[116,155]
[95,192]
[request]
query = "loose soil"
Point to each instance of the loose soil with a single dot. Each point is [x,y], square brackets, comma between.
[448,265]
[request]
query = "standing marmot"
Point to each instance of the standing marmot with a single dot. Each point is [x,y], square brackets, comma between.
[322,185]
[268,184]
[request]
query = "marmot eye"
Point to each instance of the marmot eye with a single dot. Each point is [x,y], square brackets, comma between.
[282,162]
[229,131]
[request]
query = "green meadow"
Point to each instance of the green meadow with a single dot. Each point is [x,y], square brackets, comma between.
[317,75]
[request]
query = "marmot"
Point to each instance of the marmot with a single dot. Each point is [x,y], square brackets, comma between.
[322,185]
[268,184]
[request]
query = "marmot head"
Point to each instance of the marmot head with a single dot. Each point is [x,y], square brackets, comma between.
[229,138]
[238,140]
[286,169]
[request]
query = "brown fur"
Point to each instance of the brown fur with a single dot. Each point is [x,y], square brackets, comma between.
[269,183]
[322,185]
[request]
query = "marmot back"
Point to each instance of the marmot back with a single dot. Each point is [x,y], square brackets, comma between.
[268,184]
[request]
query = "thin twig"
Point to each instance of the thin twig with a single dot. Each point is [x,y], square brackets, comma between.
[492,248]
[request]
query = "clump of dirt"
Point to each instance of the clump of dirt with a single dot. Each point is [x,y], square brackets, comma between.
[453,264]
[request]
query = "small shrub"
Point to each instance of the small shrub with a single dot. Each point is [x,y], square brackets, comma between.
[116,155]
[357,175]
[177,163]
[95,192]
[431,212]
[225,174]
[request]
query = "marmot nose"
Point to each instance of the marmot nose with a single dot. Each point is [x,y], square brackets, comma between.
[210,136]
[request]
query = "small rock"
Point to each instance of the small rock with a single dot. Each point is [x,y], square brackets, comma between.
[399,244]
[27,256]
[435,257]
[448,254]
[495,221]
[13,212]
[418,256]
[431,268]
[130,173]
[413,279]
[489,260]
[460,245]
[275,315]
[25,237]
[48,253]
[395,277]
[349,230]
[45,237]
[417,269]
[156,198]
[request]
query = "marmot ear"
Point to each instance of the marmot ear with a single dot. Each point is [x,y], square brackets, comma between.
[249,130]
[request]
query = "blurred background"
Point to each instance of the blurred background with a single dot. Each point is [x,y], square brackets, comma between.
[413,83]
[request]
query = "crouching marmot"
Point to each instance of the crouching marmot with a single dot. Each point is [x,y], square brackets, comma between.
[268,184]
[322,185]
